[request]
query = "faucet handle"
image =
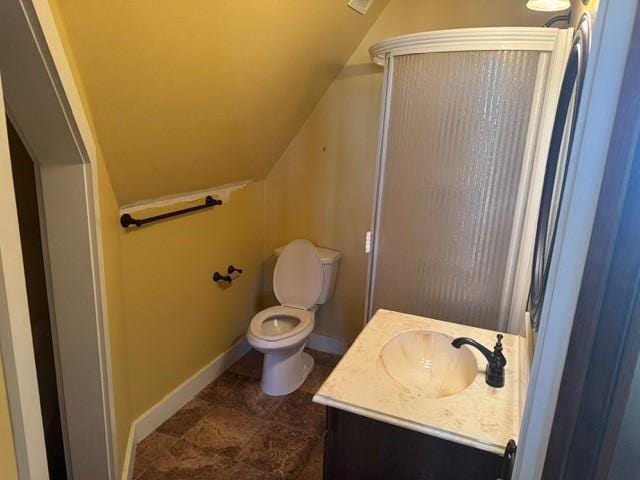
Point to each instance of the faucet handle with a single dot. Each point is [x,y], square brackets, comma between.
[497,350]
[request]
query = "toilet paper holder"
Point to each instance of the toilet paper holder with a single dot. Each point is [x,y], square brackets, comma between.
[218,277]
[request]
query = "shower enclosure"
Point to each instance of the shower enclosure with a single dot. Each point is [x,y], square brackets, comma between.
[465,129]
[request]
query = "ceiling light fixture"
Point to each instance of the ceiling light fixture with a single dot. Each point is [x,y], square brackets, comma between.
[548,5]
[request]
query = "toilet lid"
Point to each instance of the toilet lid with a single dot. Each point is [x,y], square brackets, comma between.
[297,278]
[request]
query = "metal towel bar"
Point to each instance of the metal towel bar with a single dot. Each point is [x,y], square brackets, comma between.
[127,220]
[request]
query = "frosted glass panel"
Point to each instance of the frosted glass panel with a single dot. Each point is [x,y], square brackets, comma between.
[455,144]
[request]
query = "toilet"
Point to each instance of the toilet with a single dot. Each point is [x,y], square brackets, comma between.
[304,277]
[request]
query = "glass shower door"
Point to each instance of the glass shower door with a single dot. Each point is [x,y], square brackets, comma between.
[456,129]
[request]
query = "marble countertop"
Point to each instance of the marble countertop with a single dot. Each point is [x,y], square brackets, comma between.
[479,416]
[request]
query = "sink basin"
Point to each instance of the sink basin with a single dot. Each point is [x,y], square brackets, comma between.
[425,364]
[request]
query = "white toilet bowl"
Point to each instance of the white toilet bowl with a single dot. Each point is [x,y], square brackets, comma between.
[281,333]
[301,280]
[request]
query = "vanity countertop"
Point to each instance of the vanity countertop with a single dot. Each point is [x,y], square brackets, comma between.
[479,416]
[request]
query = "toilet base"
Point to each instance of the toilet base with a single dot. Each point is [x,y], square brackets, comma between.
[284,371]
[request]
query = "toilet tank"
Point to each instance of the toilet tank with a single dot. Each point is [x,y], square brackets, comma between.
[330,260]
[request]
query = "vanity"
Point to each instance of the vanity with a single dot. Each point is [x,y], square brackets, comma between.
[404,403]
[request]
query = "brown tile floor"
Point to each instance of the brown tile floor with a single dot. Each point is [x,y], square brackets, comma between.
[232,430]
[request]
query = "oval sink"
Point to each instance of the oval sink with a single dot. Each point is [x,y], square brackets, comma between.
[426,364]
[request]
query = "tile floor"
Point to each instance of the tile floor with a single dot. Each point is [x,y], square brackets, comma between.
[232,430]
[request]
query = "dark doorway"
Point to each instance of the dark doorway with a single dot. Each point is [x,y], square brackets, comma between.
[24,179]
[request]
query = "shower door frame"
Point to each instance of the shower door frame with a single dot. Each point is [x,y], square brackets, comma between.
[556,44]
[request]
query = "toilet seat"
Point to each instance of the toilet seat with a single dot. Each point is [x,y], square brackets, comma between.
[298,275]
[304,324]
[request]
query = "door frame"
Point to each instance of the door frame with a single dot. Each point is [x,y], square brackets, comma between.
[44,105]
[15,331]
[605,341]
[594,125]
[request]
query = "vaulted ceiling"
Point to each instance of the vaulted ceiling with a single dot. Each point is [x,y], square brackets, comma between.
[192,94]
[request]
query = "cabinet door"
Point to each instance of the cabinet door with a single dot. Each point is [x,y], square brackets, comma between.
[361,448]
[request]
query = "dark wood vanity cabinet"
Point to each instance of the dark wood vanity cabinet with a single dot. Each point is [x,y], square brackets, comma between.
[357,447]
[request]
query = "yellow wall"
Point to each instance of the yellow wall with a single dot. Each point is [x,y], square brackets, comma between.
[322,186]
[8,468]
[167,319]
[178,319]
[111,256]
[214,88]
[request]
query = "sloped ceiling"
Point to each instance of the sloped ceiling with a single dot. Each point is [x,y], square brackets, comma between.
[191,94]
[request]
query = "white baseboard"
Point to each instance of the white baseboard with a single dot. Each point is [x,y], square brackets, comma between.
[174,401]
[326,344]
[130,455]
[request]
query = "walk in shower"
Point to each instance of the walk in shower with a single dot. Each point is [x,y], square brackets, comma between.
[465,130]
